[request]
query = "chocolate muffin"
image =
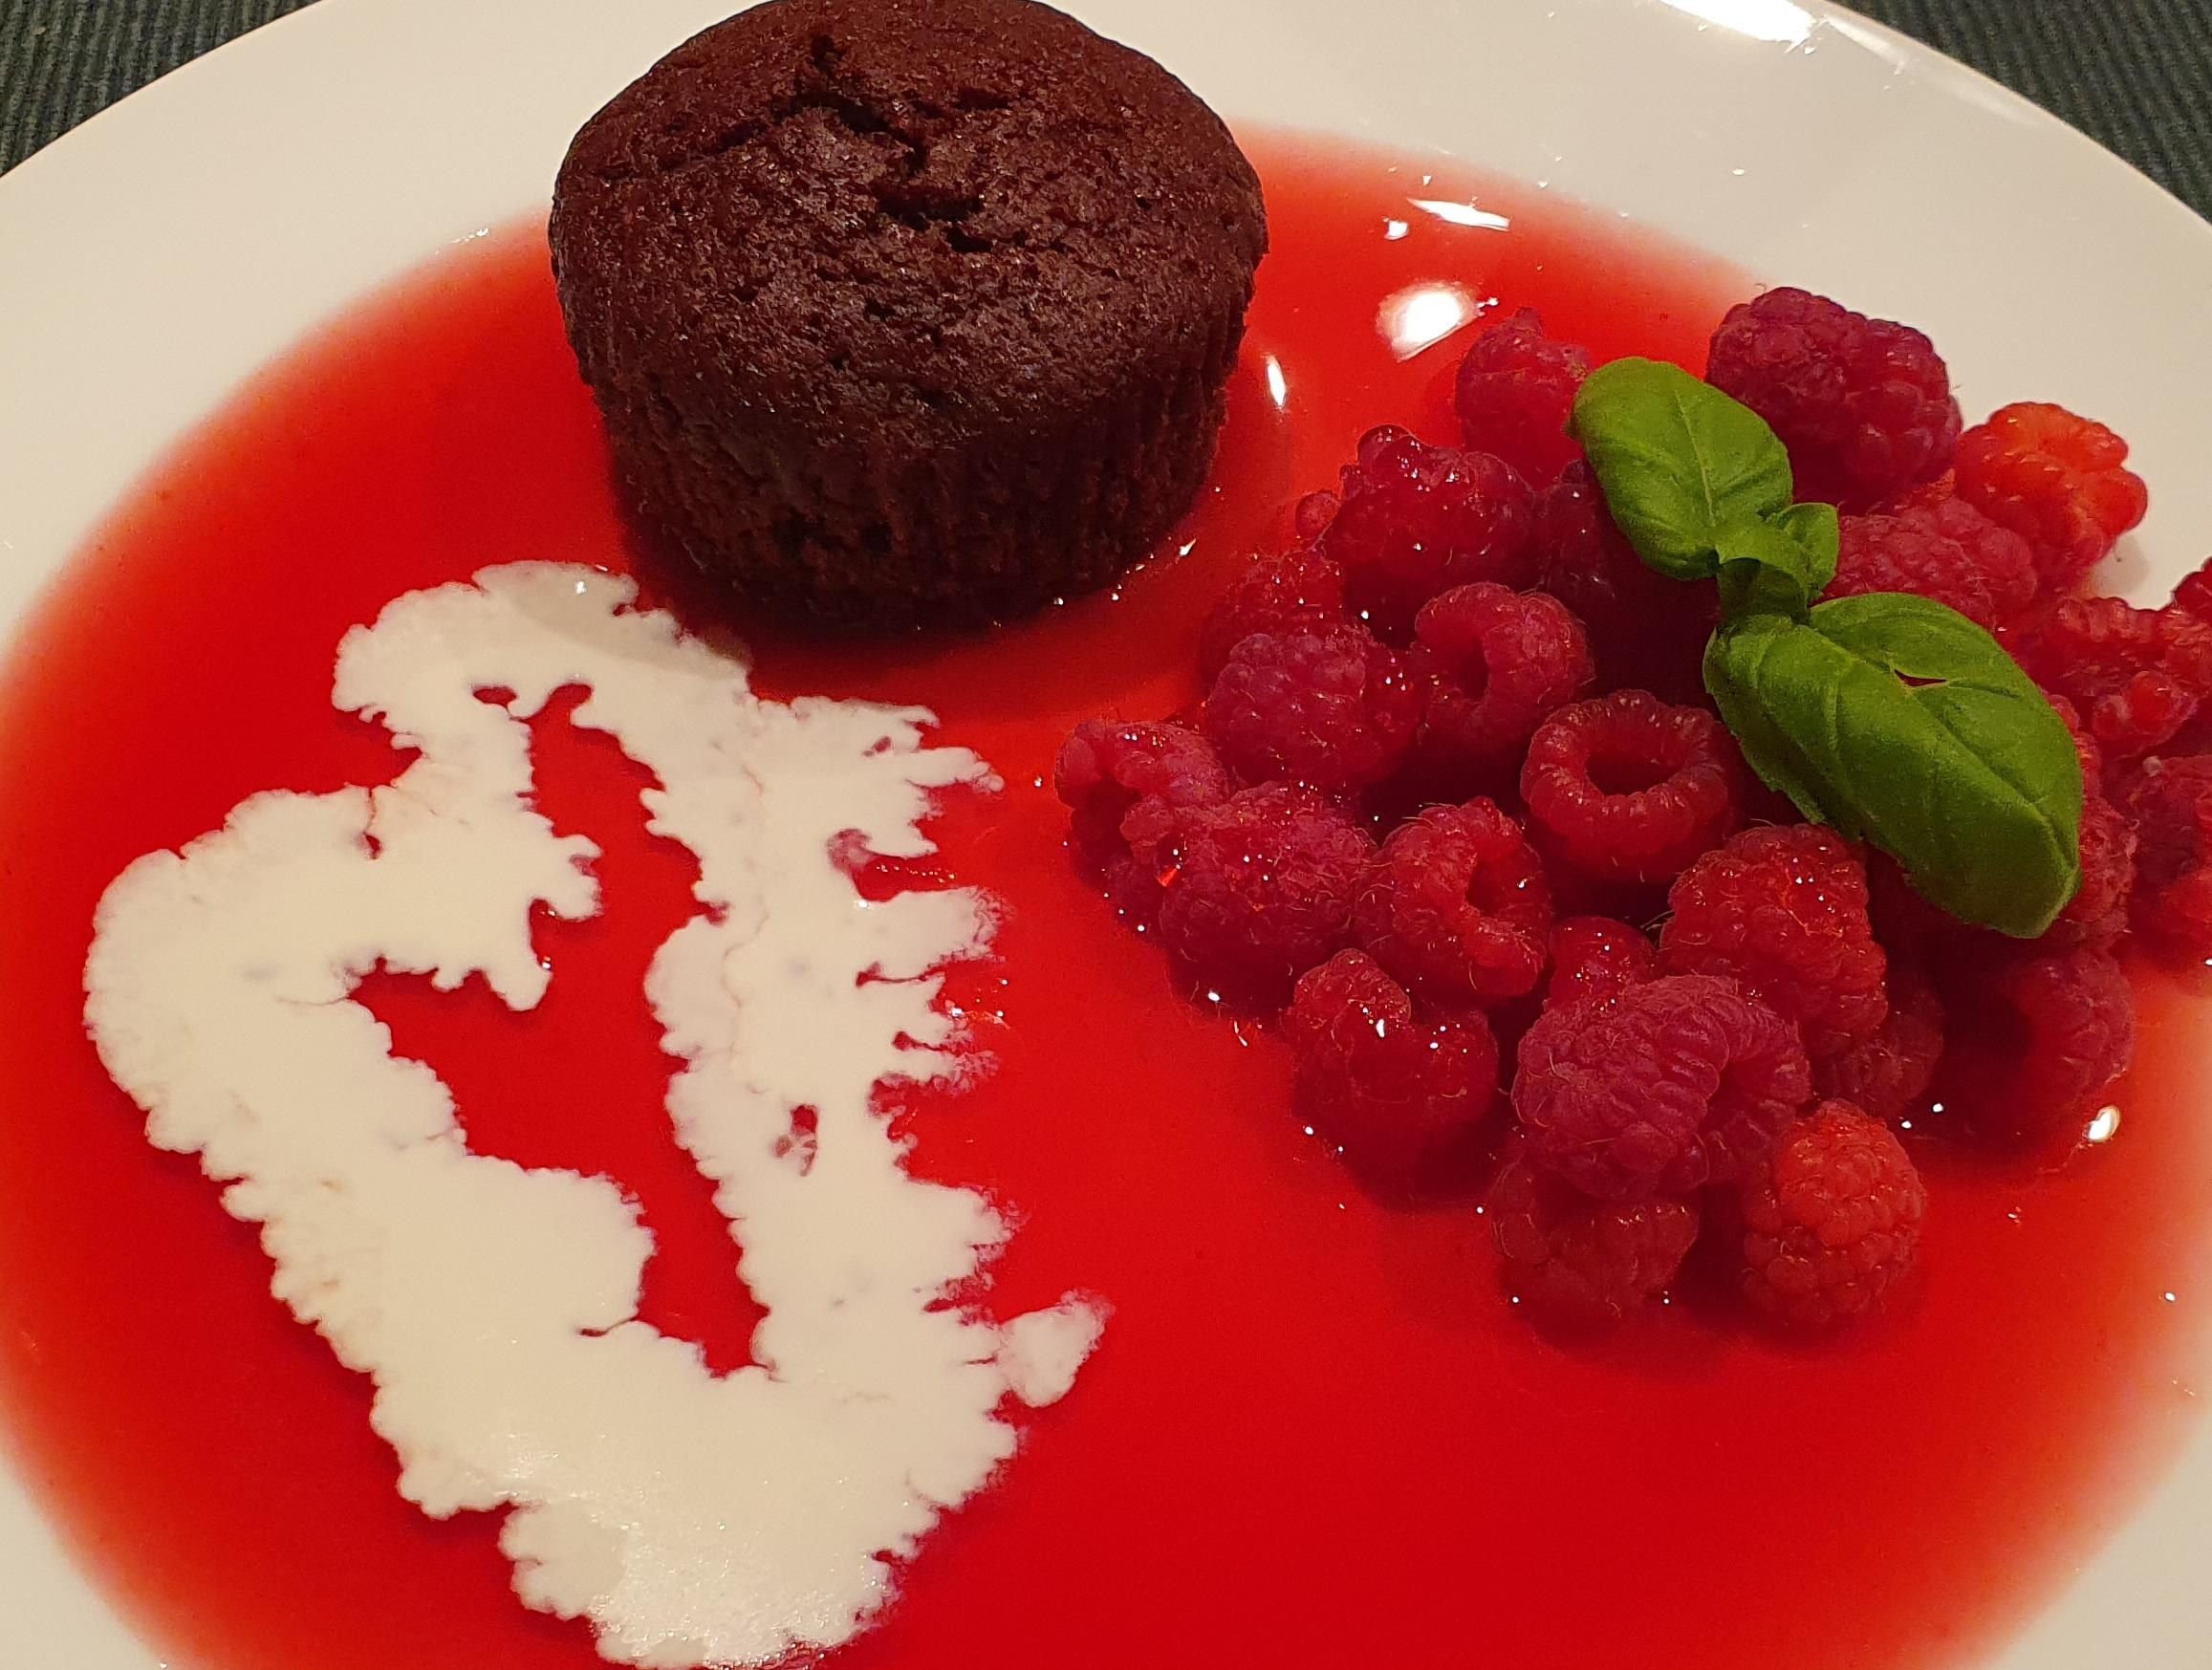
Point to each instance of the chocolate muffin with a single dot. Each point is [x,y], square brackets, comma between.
[908,309]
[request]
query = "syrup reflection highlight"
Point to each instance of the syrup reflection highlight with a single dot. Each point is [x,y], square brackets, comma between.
[1460,214]
[1421,316]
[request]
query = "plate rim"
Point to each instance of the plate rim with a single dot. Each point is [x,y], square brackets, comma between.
[34,201]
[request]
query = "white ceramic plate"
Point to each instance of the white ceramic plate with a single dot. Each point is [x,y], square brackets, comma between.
[155,257]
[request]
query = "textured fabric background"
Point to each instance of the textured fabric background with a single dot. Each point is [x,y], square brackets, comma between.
[2135,74]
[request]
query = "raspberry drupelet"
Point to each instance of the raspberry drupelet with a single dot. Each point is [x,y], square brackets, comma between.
[1261,890]
[1783,909]
[1864,405]
[1491,665]
[1945,550]
[1673,1084]
[2058,479]
[2136,675]
[1388,1089]
[1888,1072]
[1594,957]
[1515,391]
[1832,1218]
[1325,706]
[1298,588]
[1583,1260]
[2169,802]
[1456,907]
[1413,520]
[1628,790]
[1645,631]
[1123,782]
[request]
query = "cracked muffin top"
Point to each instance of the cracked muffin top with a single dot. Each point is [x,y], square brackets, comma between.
[913,221]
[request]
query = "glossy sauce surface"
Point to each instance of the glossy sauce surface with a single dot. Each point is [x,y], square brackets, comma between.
[1313,1435]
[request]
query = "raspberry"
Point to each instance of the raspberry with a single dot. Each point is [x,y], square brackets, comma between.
[1310,516]
[1123,784]
[1593,957]
[1456,907]
[1937,490]
[1388,1091]
[1628,789]
[1326,706]
[1300,588]
[2040,1039]
[2137,674]
[1784,910]
[2059,480]
[1417,519]
[2098,913]
[1946,550]
[1888,1072]
[1864,405]
[1107,767]
[1645,631]
[1492,664]
[1676,1083]
[1515,393]
[2169,802]
[1262,890]
[2193,596]
[1583,1260]
[2092,761]
[1832,1218]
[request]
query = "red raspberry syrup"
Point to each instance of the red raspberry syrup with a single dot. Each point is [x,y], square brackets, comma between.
[1311,1435]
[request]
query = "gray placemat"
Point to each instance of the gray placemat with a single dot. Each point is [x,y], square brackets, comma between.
[2133,74]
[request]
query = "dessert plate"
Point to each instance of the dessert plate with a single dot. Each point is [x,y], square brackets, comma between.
[158,256]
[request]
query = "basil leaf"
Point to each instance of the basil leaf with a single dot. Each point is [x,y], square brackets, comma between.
[1677,461]
[1818,529]
[1767,568]
[1900,722]
[1737,660]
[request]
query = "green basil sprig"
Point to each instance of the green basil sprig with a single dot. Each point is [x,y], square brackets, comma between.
[1889,716]
[1777,564]
[1677,466]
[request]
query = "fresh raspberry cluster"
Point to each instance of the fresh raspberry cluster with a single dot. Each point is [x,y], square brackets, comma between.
[1412,520]
[2136,675]
[1388,1088]
[1831,1215]
[1453,804]
[1326,707]
[2169,803]
[2058,479]
[1514,392]
[1945,549]
[1491,664]
[1456,906]
[1864,405]
[1124,785]
[1783,910]
[1669,1085]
